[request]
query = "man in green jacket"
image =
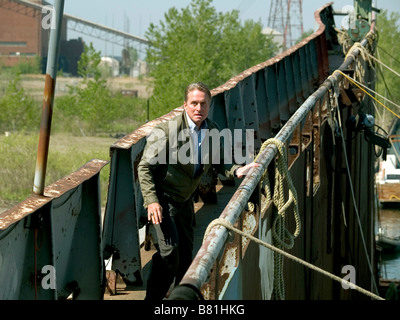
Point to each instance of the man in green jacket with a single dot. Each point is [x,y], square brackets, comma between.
[170,170]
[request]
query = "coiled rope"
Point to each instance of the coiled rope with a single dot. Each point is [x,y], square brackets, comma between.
[279,231]
[282,237]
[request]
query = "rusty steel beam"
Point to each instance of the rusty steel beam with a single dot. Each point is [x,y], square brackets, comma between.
[198,272]
[48,99]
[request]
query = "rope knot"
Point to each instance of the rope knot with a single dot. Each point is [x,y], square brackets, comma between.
[217,222]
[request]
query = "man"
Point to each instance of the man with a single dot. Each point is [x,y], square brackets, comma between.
[168,182]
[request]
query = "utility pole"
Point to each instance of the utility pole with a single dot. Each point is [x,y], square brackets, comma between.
[286,16]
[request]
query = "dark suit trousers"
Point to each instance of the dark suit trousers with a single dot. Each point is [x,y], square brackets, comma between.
[175,247]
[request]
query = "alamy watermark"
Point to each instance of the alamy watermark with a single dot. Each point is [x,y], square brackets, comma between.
[349,280]
[49,17]
[216,146]
[49,278]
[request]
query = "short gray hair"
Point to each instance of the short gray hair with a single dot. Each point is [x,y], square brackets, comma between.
[197,86]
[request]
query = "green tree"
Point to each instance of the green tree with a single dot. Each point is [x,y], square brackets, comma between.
[88,65]
[388,52]
[90,104]
[200,44]
[18,110]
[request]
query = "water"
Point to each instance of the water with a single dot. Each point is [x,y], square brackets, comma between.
[390,261]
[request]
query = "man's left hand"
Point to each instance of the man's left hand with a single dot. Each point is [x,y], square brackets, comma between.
[245,169]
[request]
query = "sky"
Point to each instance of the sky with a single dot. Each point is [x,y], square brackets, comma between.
[135,16]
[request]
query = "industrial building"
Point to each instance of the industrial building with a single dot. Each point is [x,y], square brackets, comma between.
[24,36]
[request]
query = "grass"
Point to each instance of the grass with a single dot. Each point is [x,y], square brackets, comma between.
[17,158]
[66,155]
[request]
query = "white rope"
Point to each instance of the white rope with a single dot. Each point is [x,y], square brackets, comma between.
[387,67]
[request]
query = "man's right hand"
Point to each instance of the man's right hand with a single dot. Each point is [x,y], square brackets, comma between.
[154,212]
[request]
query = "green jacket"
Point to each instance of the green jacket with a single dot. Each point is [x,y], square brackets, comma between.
[173,177]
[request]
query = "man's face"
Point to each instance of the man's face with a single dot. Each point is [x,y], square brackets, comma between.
[197,106]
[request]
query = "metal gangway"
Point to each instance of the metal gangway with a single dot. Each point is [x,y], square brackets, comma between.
[294,97]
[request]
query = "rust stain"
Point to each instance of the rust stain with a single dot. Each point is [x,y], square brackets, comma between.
[143,131]
[73,180]
[229,261]
[49,88]
[22,210]
[249,226]
[44,133]
[206,292]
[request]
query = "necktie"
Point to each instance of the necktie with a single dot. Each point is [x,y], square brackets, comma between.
[198,166]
